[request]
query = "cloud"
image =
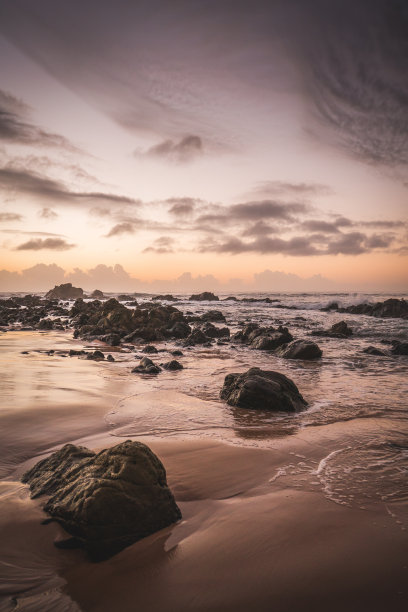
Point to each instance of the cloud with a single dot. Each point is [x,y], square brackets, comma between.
[356,56]
[185,150]
[52,244]
[15,127]
[353,243]
[122,228]
[260,228]
[320,226]
[182,207]
[161,246]
[39,186]
[30,233]
[47,213]
[282,188]
[297,246]
[6,216]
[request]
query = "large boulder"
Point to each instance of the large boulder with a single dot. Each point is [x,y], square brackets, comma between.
[263,390]
[106,500]
[206,296]
[300,349]
[64,292]
[271,340]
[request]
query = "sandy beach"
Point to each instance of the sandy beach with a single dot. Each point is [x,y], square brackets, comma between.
[279,513]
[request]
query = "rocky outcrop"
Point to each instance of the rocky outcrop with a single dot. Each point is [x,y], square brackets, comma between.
[263,338]
[101,319]
[165,298]
[107,500]
[64,292]
[263,390]
[389,309]
[206,296]
[146,366]
[300,349]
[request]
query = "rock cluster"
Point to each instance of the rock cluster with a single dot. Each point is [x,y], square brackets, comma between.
[392,308]
[101,320]
[106,500]
[263,338]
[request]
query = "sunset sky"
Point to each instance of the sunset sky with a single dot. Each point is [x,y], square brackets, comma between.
[204,141]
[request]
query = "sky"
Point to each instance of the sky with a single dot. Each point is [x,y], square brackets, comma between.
[212,144]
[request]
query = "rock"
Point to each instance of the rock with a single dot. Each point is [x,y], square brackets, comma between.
[300,349]
[146,366]
[206,296]
[330,306]
[399,348]
[270,340]
[110,358]
[231,298]
[211,331]
[96,356]
[372,350]
[46,324]
[180,330]
[123,297]
[392,308]
[341,329]
[106,500]
[150,349]
[196,337]
[97,295]
[166,298]
[338,330]
[172,365]
[213,315]
[263,390]
[74,352]
[177,353]
[64,292]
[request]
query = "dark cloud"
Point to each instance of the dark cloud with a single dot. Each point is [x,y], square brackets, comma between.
[260,228]
[383,224]
[297,246]
[357,74]
[6,216]
[266,209]
[320,226]
[185,150]
[15,127]
[353,243]
[47,213]
[52,244]
[37,185]
[379,241]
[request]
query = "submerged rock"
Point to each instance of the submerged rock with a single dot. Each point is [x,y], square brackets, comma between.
[300,349]
[96,356]
[373,350]
[106,500]
[146,366]
[263,390]
[150,349]
[399,348]
[64,292]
